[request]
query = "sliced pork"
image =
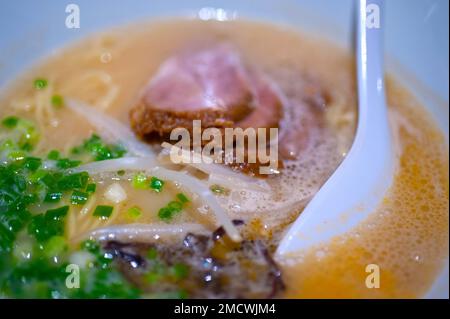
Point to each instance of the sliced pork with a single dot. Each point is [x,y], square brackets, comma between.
[212,85]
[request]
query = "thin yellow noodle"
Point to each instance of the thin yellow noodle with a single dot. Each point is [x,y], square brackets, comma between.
[86,87]
[43,112]
[96,224]
[50,112]
[39,115]
[107,100]
[114,215]
[88,206]
[83,215]
[71,225]
[105,222]
[40,105]
[43,100]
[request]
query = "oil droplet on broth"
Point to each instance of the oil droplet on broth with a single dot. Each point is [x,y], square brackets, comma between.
[407,237]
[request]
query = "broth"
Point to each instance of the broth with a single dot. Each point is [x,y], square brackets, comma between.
[109,71]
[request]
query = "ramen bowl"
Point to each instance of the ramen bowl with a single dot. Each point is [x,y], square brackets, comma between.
[416,46]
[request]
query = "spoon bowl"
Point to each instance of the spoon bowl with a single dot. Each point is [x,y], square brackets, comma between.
[359,184]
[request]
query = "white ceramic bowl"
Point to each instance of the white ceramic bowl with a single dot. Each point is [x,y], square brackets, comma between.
[417,39]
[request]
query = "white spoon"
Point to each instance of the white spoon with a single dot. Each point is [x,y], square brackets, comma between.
[360,182]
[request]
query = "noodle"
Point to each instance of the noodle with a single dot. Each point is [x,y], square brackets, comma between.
[190,183]
[94,86]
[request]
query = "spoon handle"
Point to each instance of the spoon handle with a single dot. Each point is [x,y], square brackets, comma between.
[372,117]
[359,184]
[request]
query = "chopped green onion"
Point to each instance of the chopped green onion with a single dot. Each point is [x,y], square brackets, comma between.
[175,206]
[57,213]
[51,180]
[90,246]
[152,253]
[17,155]
[7,145]
[73,181]
[7,237]
[57,100]
[55,246]
[103,211]
[32,163]
[153,277]
[79,198]
[66,163]
[38,175]
[76,150]
[90,188]
[134,212]
[53,155]
[182,198]
[40,83]
[33,245]
[10,122]
[139,181]
[179,271]
[218,189]
[165,214]
[28,133]
[45,226]
[156,184]
[23,135]
[99,150]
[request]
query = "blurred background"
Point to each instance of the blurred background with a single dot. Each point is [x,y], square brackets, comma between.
[417,30]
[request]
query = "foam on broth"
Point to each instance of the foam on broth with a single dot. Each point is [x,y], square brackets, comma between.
[407,236]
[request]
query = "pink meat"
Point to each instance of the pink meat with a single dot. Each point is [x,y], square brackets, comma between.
[212,85]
